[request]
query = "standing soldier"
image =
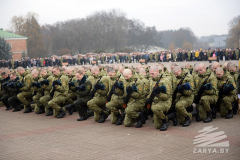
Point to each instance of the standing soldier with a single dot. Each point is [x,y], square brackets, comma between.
[184,97]
[41,62]
[206,84]
[25,86]
[12,62]
[99,93]
[115,101]
[227,93]
[59,93]
[46,85]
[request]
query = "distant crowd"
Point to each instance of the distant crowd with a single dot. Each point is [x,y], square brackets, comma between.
[135,57]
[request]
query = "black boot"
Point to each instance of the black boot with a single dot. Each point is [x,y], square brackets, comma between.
[9,108]
[214,113]
[173,117]
[28,110]
[50,112]
[103,117]
[41,110]
[82,118]
[235,108]
[145,117]
[17,109]
[187,121]
[230,114]
[70,108]
[140,120]
[196,115]
[61,114]
[120,119]
[164,125]
[209,117]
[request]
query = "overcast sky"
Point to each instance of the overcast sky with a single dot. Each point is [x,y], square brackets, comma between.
[204,17]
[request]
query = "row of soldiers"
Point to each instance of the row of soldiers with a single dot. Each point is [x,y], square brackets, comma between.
[129,94]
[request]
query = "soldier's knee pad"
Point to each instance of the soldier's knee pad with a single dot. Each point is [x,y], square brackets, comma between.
[90,103]
[20,95]
[35,98]
[50,103]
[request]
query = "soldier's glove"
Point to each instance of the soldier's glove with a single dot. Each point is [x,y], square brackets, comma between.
[181,88]
[208,86]
[101,86]
[228,88]
[129,90]
[134,88]
[96,87]
[19,85]
[11,85]
[59,83]
[71,83]
[80,88]
[160,89]
[38,85]
[54,83]
[33,84]
[45,81]
[5,84]
[115,85]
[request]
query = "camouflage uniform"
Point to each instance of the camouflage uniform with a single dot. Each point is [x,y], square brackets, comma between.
[162,102]
[209,96]
[97,104]
[46,92]
[72,96]
[26,95]
[136,102]
[37,94]
[60,95]
[116,102]
[234,75]
[184,99]
[226,100]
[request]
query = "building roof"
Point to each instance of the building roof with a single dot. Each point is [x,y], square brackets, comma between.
[9,35]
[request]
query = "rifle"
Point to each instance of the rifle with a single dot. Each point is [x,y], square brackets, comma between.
[200,92]
[127,98]
[94,91]
[112,89]
[174,96]
[221,90]
[148,104]
[35,92]
[54,88]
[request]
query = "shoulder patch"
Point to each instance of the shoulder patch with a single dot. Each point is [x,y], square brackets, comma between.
[88,87]
[28,81]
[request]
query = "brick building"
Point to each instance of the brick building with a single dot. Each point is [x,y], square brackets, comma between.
[18,43]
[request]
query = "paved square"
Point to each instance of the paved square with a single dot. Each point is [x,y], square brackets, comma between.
[32,136]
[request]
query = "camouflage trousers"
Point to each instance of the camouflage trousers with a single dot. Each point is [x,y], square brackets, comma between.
[25,98]
[114,106]
[180,107]
[133,107]
[38,104]
[204,105]
[226,104]
[71,97]
[97,104]
[44,101]
[56,104]
[158,110]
